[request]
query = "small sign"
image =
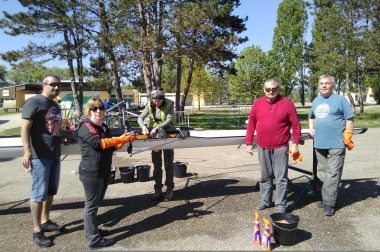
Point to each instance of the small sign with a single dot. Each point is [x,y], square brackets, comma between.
[5,92]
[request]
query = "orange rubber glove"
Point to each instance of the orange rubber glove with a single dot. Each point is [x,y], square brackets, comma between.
[297,157]
[128,137]
[114,141]
[119,146]
[348,139]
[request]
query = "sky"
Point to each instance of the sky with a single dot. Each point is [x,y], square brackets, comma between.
[262,15]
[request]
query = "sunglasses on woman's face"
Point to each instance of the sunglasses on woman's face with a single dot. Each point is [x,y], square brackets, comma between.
[94,109]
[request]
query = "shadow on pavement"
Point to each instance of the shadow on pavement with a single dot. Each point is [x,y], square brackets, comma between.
[3,121]
[350,192]
[180,212]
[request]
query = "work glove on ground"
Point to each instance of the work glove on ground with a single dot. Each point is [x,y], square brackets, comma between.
[348,139]
[118,142]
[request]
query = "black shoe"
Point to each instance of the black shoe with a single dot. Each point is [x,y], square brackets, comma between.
[104,232]
[169,194]
[263,206]
[157,195]
[102,243]
[51,226]
[329,210]
[319,204]
[41,240]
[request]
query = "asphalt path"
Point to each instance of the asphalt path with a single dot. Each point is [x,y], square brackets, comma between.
[212,209]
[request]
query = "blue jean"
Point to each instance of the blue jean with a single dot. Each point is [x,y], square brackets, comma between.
[45,178]
[94,192]
[274,165]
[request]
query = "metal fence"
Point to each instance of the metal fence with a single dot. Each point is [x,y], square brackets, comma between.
[182,119]
[234,114]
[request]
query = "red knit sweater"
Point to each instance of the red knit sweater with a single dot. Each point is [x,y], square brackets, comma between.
[272,123]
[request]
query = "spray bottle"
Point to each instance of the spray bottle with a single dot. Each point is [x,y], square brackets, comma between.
[257,234]
[265,241]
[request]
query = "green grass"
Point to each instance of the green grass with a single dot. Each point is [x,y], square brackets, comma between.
[8,113]
[236,120]
[223,119]
[11,132]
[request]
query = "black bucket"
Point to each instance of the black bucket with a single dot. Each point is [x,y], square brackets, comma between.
[284,227]
[111,178]
[180,169]
[143,172]
[127,174]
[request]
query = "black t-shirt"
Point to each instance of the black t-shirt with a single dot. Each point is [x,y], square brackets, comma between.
[45,132]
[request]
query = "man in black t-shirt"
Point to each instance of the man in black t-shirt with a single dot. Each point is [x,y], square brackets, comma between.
[41,138]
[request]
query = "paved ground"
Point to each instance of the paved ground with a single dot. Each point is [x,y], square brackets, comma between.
[213,206]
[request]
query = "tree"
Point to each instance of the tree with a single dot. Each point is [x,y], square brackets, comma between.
[373,57]
[210,34]
[253,67]
[163,30]
[27,72]
[343,45]
[288,42]
[65,28]
[3,74]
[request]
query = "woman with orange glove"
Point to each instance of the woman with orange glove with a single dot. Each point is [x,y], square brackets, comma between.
[97,147]
[331,122]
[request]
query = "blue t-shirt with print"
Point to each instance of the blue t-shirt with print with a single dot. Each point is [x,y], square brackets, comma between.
[330,114]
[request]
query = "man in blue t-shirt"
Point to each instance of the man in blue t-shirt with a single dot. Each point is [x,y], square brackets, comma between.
[331,122]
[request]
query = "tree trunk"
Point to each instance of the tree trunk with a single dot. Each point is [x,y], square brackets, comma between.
[302,88]
[188,82]
[71,70]
[348,92]
[199,102]
[111,57]
[146,57]
[178,85]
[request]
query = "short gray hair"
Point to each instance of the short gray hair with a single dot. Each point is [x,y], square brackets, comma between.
[326,76]
[271,80]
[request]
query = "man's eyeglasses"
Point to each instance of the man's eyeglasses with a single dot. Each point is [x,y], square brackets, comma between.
[274,90]
[94,109]
[54,84]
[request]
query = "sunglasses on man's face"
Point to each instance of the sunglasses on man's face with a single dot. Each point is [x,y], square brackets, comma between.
[53,84]
[274,90]
[94,109]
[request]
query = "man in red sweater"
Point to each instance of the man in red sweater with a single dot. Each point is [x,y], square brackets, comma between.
[272,117]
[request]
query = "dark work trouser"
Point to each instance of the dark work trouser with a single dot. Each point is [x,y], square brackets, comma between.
[157,168]
[94,191]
